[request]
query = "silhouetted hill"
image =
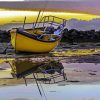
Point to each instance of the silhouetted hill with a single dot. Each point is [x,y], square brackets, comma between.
[84,25]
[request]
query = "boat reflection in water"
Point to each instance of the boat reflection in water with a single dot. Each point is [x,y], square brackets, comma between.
[24,67]
[45,70]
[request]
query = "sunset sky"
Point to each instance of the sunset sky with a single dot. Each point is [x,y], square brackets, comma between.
[83,6]
[68,9]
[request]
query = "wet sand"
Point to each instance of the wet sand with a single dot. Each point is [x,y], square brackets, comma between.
[63,50]
[81,63]
[81,77]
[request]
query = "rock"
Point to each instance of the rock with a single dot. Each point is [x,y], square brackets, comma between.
[74,35]
[4,36]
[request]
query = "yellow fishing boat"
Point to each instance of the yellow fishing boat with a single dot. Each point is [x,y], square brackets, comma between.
[43,38]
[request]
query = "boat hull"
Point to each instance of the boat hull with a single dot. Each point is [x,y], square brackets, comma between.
[26,44]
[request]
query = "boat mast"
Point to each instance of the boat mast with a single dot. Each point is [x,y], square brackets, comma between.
[45,5]
[24,22]
[34,25]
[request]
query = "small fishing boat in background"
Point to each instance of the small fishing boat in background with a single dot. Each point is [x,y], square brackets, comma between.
[43,37]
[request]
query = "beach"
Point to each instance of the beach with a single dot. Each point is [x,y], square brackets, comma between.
[83,77]
[77,73]
[70,71]
[80,61]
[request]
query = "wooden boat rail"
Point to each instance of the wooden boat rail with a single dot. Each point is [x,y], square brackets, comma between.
[48,21]
[52,20]
[35,36]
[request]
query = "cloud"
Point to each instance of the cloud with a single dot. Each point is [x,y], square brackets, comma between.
[84,6]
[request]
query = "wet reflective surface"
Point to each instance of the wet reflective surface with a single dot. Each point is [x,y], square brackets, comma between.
[81,77]
[53,92]
[81,66]
[77,73]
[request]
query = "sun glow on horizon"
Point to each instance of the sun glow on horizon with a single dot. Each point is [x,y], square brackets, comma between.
[17,13]
[8,16]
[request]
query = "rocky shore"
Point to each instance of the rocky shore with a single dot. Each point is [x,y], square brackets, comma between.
[79,36]
[69,36]
[5,36]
